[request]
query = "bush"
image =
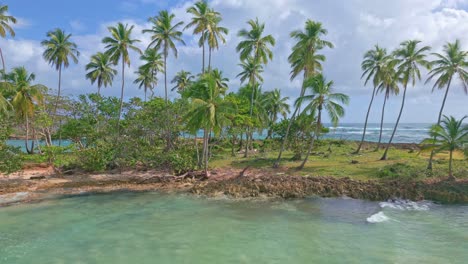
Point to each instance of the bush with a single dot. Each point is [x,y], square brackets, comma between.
[398,171]
[99,157]
[10,159]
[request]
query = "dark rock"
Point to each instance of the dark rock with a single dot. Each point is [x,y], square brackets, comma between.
[37,177]
[354,162]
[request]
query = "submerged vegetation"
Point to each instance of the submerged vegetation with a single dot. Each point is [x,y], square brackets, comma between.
[209,125]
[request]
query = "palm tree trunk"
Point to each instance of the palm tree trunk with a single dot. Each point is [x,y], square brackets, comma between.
[381,123]
[3,61]
[58,96]
[384,157]
[203,54]
[198,152]
[165,77]
[205,151]
[209,59]
[249,133]
[99,90]
[311,146]
[121,94]
[365,123]
[450,165]
[429,165]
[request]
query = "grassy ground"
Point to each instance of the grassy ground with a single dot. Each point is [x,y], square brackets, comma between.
[340,162]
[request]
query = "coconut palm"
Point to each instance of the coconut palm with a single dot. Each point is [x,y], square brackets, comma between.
[453,62]
[410,57]
[255,44]
[449,136]
[25,98]
[145,79]
[251,71]
[5,27]
[389,85]
[100,70]
[59,51]
[209,110]
[214,36]
[275,105]
[372,64]
[182,80]
[322,98]
[117,48]
[221,81]
[164,34]
[305,59]
[153,63]
[4,105]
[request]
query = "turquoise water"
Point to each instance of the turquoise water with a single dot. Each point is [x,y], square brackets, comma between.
[154,228]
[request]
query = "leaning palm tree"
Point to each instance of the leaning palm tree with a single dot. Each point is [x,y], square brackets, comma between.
[145,79]
[449,136]
[153,64]
[453,62]
[372,64]
[164,34]
[209,110]
[117,48]
[410,57]
[59,50]
[25,98]
[182,80]
[322,98]
[5,27]
[100,70]
[305,59]
[389,85]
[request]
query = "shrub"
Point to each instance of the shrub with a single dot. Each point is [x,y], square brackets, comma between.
[10,159]
[398,171]
[99,157]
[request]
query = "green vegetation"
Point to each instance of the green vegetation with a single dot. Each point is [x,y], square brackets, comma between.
[109,133]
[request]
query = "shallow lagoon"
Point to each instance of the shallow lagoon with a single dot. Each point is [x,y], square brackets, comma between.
[154,228]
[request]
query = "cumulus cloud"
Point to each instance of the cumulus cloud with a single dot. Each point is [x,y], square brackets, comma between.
[354,26]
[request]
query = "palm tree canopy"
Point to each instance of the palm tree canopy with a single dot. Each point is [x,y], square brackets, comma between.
[388,78]
[322,97]
[145,78]
[5,21]
[59,50]
[251,71]
[453,61]
[374,60]
[119,43]
[164,33]
[450,135]
[100,70]
[410,56]
[255,44]
[153,61]
[182,80]
[304,55]
[216,33]
[274,104]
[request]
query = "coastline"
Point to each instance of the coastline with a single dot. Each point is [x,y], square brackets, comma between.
[35,185]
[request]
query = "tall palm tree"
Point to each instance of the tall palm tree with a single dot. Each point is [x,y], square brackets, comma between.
[452,62]
[322,98]
[153,63]
[410,58]
[182,80]
[449,136]
[100,70]
[5,27]
[59,51]
[145,79]
[117,48]
[389,85]
[215,35]
[305,59]
[25,98]
[275,105]
[372,64]
[164,34]
[209,110]
[255,44]
[201,22]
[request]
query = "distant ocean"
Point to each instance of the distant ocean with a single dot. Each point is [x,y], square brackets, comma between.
[406,133]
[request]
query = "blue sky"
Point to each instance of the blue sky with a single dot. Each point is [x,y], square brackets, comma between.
[354,26]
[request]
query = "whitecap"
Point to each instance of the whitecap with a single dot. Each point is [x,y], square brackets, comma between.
[406,205]
[377,218]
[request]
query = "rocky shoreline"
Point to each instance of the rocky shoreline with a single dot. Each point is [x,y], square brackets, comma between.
[231,183]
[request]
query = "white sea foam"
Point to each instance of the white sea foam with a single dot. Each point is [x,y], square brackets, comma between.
[406,205]
[377,218]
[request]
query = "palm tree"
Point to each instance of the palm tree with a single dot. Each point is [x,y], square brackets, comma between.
[5,27]
[145,79]
[409,57]
[251,71]
[372,65]
[209,110]
[59,50]
[305,59]
[449,136]
[274,105]
[153,64]
[389,85]
[215,35]
[100,70]
[163,36]
[255,44]
[25,98]
[322,98]
[4,104]
[201,22]
[453,62]
[117,48]
[182,80]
